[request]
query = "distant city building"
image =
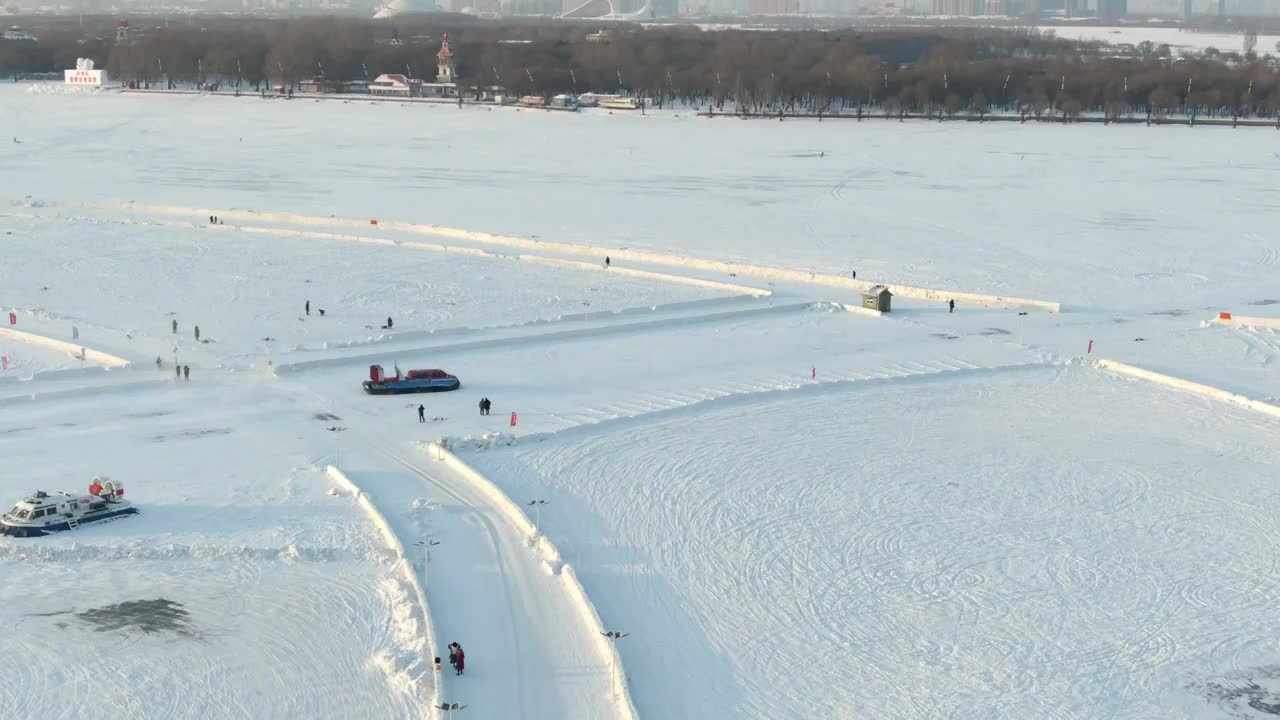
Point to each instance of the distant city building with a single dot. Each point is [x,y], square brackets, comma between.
[971,8]
[445,72]
[328,85]
[1112,9]
[713,7]
[397,85]
[530,7]
[773,7]
[393,84]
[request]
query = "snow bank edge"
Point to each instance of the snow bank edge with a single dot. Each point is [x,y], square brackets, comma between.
[1208,391]
[393,543]
[97,356]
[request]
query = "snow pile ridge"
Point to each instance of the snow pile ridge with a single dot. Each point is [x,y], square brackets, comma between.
[1248,322]
[639,256]
[411,666]
[484,442]
[1208,391]
[96,356]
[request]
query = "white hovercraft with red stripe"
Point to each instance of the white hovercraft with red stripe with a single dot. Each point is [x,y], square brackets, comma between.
[42,513]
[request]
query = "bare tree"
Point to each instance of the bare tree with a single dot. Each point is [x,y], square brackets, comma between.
[979,105]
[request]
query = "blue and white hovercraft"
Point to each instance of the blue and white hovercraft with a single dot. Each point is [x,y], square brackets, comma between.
[42,513]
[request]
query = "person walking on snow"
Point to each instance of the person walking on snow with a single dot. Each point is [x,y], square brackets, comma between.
[460,660]
[606,261]
[951,306]
[186,372]
[197,333]
[178,369]
[175,326]
[308,306]
[481,406]
[422,414]
[389,323]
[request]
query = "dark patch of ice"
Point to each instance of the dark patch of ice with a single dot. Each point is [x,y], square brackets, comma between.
[149,616]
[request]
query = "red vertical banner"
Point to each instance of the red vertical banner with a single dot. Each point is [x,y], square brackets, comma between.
[513,418]
[4,362]
[1090,347]
[814,373]
[13,318]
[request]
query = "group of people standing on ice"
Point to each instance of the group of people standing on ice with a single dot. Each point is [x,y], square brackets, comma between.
[183,372]
[457,658]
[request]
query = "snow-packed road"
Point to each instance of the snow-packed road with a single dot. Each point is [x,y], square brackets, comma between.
[529,652]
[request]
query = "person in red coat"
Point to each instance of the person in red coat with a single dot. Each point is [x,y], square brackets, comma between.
[461,660]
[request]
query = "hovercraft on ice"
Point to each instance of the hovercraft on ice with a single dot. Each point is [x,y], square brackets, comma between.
[42,513]
[417,381]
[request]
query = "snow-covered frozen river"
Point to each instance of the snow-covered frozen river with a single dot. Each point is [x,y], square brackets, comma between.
[790,508]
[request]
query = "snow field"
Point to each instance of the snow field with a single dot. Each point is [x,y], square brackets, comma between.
[245,638]
[242,290]
[950,519]
[1016,545]
[877,199]
[267,584]
[683,263]
[560,383]
[1179,341]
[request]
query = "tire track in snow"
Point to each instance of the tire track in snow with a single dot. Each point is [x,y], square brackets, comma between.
[479,517]
[535,667]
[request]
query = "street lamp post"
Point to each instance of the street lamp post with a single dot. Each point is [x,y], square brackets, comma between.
[1022,326]
[426,546]
[615,679]
[537,515]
